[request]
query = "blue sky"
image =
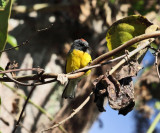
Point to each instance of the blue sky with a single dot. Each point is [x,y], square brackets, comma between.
[113,123]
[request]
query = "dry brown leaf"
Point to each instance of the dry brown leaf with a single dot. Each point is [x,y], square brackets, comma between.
[129,70]
[120,93]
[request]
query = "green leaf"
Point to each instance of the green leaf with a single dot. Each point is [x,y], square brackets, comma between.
[1,69]
[157,105]
[12,41]
[112,1]
[155,46]
[125,29]
[140,6]
[4,16]
[3,3]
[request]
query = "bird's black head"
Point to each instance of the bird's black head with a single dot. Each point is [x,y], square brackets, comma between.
[80,44]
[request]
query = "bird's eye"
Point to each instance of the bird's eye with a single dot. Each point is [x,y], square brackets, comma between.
[81,44]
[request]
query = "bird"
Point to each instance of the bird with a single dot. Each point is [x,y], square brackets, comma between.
[78,57]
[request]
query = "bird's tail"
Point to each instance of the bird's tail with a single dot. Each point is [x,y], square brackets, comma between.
[69,91]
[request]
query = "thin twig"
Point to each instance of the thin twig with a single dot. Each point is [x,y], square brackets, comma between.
[50,75]
[50,81]
[29,84]
[45,29]
[144,45]
[124,46]
[30,101]
[17,70]
[38,107]
[20,117]
[4,121]
[46,82]
[94,62]
[15,118]
[154,123]
[72,114]
[18,82]
[156,63]
[24,43]
[29,77]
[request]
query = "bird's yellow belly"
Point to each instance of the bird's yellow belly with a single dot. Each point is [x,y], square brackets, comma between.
[76,60]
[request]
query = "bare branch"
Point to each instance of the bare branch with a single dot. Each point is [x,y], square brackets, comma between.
[124,46]
[26,69]
[24,43]
[156,63]
[15,118]
[18,82]
[144,45]
[94,62]
[30,101]
[72,114]
[20,117]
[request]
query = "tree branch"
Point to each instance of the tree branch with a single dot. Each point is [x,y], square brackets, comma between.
[19,119]
[156,63]
[94,62]
[17,70]
[72,114]
[18,82]
[15,118]
[144,45]
[124,46]
[154,123]
[24,43]
[30,101]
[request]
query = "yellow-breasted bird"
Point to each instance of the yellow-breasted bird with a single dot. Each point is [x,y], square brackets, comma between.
[78,57]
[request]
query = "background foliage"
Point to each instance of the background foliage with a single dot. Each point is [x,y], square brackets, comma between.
[48,49]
